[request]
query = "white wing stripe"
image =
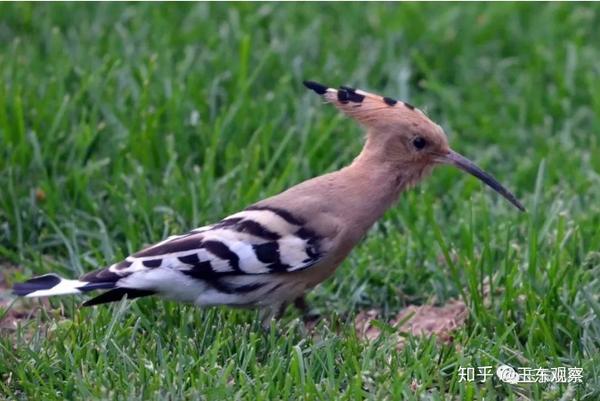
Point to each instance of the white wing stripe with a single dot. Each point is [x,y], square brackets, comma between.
[269,219]
[292,251]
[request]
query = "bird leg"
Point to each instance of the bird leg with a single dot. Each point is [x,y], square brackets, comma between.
[266,315]
[276,312]
[280,310]
[301,304]
[271,312]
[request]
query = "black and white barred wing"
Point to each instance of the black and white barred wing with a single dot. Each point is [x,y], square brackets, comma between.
[256,241]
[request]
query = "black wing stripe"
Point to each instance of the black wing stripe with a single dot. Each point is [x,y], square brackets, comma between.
[204,272]
[284,214]
[227,222]
[258,230]
[152,263]
[312,239]
[268,253]
[191,259]
[187,243]
[222,251]
[247,226]
[249,287]
[103,275]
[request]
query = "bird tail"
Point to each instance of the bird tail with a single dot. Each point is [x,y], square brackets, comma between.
[103,279]
[52,284]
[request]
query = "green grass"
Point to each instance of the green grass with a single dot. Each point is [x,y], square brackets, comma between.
[138,121]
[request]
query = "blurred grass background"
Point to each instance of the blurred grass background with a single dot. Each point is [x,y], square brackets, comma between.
[123,123]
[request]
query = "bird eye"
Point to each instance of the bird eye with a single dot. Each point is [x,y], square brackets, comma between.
[419,142]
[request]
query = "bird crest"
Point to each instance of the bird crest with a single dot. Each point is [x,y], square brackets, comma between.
[367,108]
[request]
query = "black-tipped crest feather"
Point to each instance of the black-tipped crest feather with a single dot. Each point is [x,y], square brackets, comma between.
[315,86]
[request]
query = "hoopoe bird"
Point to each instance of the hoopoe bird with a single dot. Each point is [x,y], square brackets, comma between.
[274,251]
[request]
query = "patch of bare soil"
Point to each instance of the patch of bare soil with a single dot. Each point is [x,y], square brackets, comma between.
[424,320]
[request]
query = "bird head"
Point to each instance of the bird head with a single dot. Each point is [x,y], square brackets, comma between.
[401,134]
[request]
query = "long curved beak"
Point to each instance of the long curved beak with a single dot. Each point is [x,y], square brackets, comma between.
[467,165]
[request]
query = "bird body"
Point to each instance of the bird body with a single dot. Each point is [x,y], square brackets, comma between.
[273,252]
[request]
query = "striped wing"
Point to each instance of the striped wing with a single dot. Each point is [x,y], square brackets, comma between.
[258,240]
